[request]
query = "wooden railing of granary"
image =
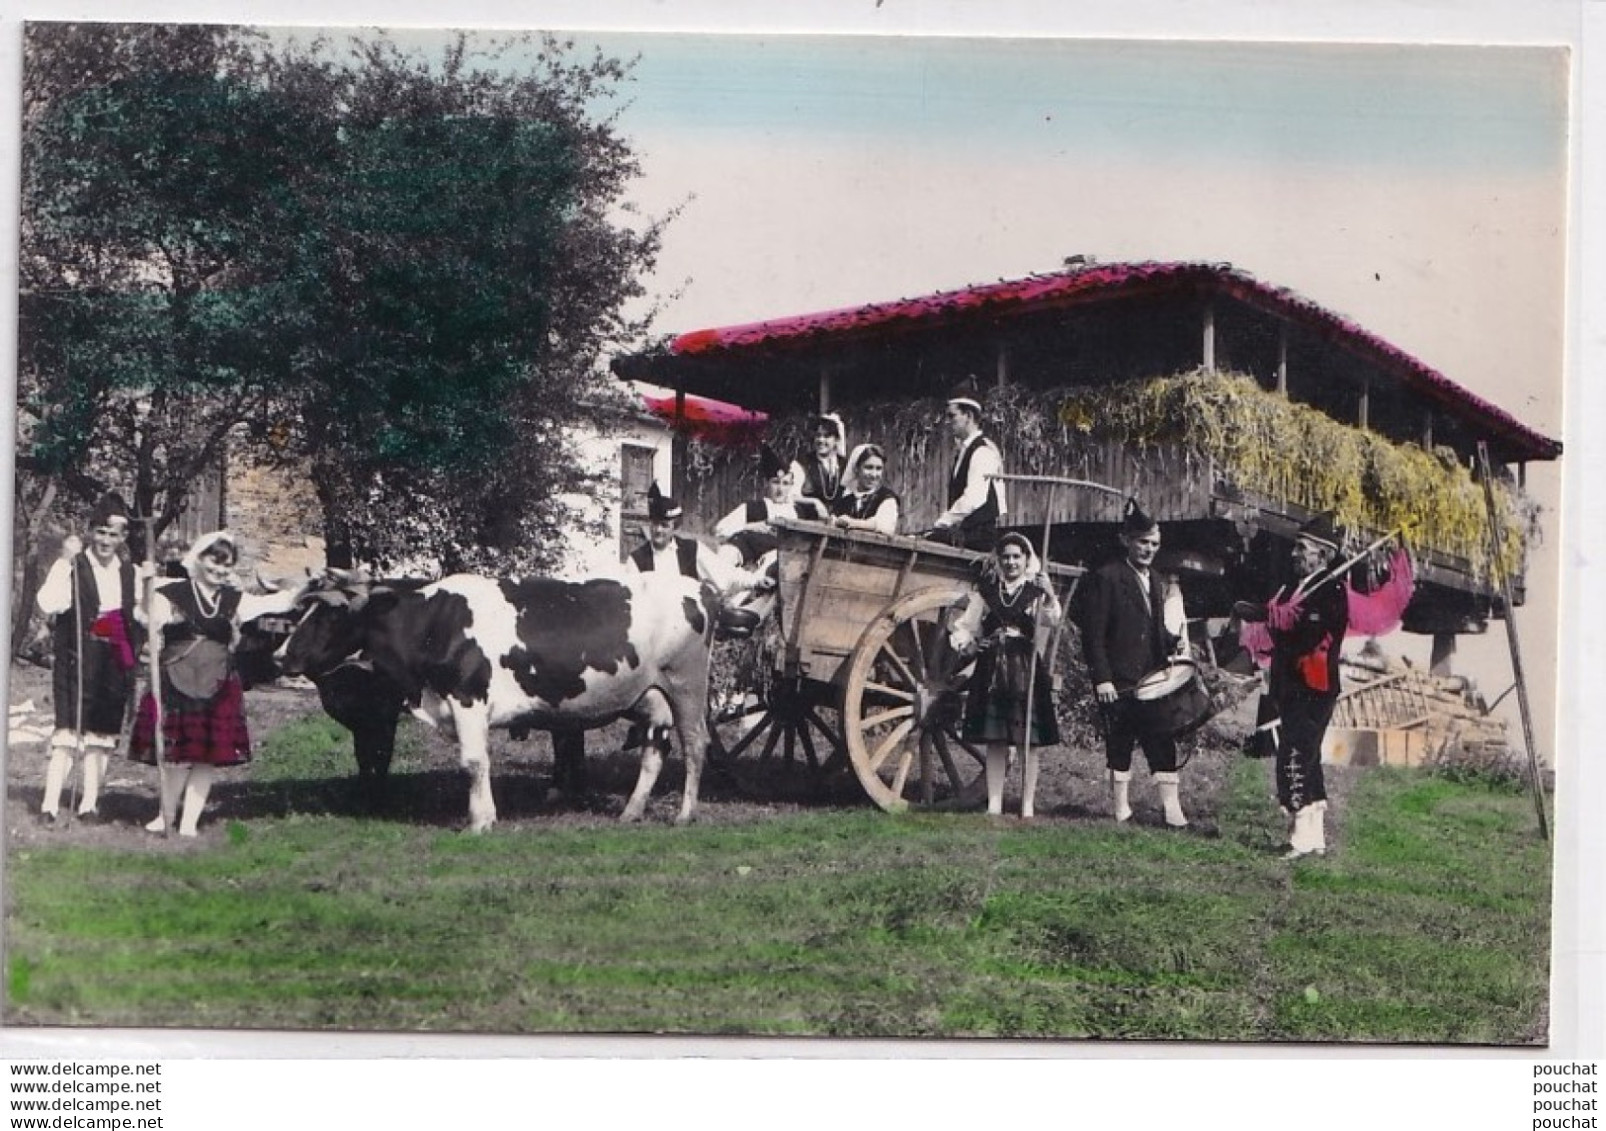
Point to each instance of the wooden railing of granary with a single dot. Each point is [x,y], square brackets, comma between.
[1176,485]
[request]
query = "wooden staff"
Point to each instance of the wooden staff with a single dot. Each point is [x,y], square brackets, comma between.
[153,643]
[1051,481]
[1316,580]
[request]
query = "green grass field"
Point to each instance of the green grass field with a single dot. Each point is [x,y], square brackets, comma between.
[1431,925]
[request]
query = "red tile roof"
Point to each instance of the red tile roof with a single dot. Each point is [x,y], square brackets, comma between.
[1067,288]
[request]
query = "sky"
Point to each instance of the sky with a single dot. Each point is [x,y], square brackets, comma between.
[1422,191]
[1419,190]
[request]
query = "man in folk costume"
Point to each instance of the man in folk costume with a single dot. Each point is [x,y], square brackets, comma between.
[667,551]
[976,502]
[818,474]
[745,534]
[1132,622]
[91,594]
[1307,623]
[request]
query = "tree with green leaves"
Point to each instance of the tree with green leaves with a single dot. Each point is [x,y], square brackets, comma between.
[466,267]
[398,272]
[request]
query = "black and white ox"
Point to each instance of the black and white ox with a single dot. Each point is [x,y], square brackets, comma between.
[476,653]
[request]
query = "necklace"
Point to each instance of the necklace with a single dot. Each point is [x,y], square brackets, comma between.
[1009,600]
[200,600]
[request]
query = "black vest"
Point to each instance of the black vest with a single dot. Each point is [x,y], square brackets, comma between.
[685,556]
[855,506]
[989,510]
[86,595]
[816,483]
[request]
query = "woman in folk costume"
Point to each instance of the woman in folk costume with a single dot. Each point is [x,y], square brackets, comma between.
[866,502]
[91,596]
[1007,623]
[817,474]
[1132,623]
[203,705]
[745,533]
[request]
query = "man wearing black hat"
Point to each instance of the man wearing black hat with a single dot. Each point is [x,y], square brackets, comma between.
[976,503]
[1307,622]
[90,595]
[667,551]
[1132,622]
[745,533]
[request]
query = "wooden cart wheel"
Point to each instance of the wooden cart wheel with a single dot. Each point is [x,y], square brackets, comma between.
[902,703]
[790,721]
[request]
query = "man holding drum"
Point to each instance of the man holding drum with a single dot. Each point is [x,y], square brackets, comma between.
[1132,622]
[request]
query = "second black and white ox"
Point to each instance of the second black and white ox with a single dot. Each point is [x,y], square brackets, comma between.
[476,653]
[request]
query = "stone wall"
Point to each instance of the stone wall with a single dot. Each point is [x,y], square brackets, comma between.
[276,514]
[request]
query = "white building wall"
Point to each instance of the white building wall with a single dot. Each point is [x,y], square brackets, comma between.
[593,556]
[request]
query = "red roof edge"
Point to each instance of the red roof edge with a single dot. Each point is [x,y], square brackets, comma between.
[1103,280]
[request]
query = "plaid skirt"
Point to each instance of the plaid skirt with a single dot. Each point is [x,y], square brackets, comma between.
[195,732]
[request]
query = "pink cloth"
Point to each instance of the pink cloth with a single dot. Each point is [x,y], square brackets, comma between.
[1381,611]
[110,628]
[1282,614]
[1256,640]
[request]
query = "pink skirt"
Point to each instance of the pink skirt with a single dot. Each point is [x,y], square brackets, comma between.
[212,733]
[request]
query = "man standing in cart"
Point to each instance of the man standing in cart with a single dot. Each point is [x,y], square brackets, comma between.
[91,595]
[1132,621]
[976,503]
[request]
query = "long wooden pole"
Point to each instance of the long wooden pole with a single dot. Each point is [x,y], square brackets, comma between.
[1497,540]
[153,644]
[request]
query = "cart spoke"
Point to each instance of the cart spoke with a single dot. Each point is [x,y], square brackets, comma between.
[918,647]
[769,743]
[887,716]
[902,668]
[766,723]
[900,778]
[899,733]
[808,743]
[897,693]
[969,748]
[926,784]
[947,757]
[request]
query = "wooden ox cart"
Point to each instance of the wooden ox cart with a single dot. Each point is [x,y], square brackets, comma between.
[863,630]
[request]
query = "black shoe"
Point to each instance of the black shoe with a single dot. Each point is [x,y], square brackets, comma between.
[91,817]
[50,820]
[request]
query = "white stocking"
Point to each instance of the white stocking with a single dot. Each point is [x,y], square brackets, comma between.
[195,794]
[56,772]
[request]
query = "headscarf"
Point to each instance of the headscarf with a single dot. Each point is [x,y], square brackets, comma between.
[205,542]
[850,472]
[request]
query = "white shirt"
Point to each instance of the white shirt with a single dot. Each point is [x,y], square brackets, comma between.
[1172,613]
[983,465]
[884,519]
[55,595]
[721,574]
[736,521]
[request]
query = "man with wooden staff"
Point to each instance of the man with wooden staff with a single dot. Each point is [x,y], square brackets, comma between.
[1132,622]
[91,595]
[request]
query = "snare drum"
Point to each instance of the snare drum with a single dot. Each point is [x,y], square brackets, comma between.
[1170,701]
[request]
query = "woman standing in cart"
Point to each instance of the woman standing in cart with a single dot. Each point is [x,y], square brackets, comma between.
[1007,622]
[203,705]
